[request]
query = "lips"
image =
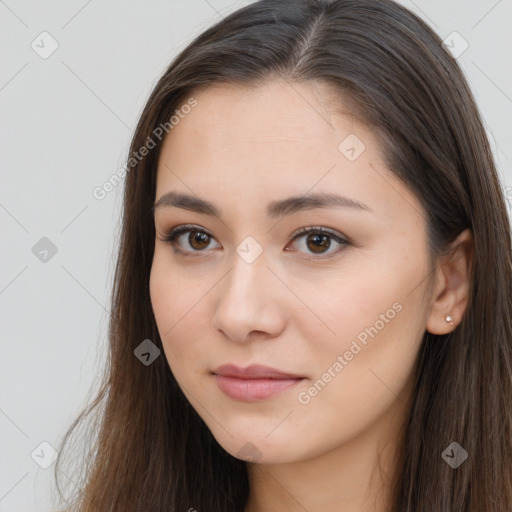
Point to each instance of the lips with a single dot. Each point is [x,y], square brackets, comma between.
[254,371]
[256,382]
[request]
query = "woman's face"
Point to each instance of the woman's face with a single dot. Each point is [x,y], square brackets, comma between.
[344,317]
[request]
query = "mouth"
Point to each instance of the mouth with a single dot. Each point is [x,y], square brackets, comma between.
[253,383]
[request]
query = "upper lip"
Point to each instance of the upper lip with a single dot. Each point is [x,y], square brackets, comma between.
[253,371]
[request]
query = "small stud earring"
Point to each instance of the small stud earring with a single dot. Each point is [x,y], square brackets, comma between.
[449,319]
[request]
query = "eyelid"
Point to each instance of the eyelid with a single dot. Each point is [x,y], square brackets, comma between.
[342,240]
[170,237]
[172,234]
[319,229]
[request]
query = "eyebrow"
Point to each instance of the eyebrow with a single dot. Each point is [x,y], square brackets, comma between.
[277,208]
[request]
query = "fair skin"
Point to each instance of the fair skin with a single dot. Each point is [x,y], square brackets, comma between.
[241,149]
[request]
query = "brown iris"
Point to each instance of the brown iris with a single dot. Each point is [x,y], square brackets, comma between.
[201,239]
[318,242]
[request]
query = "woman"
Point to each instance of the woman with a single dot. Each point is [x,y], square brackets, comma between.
[313,297]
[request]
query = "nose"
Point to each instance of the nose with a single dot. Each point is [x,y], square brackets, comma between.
[250,301]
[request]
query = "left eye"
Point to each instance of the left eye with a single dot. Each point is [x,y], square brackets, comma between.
[317,239]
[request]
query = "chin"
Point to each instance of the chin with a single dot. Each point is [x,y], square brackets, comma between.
[259,448]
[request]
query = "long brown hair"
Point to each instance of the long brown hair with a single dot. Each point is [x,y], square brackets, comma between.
[149,450]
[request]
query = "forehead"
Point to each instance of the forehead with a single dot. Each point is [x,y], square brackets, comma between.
[280,139]
[290,111]
[278,125]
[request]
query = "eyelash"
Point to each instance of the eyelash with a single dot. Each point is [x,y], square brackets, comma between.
[171,236]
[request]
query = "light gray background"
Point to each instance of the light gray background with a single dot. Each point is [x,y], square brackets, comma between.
[66,122]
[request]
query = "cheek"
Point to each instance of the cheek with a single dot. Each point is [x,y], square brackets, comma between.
[341,307]
[372,319]
[358,372]
[377,316]
[177,301]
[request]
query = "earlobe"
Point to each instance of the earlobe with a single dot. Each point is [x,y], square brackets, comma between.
[451,291]
[449,319]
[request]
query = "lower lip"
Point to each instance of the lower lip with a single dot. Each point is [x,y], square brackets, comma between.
[250,390]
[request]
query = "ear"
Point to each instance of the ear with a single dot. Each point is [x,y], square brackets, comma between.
[451,290]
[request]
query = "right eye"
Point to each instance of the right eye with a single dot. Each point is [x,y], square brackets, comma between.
[197,239]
